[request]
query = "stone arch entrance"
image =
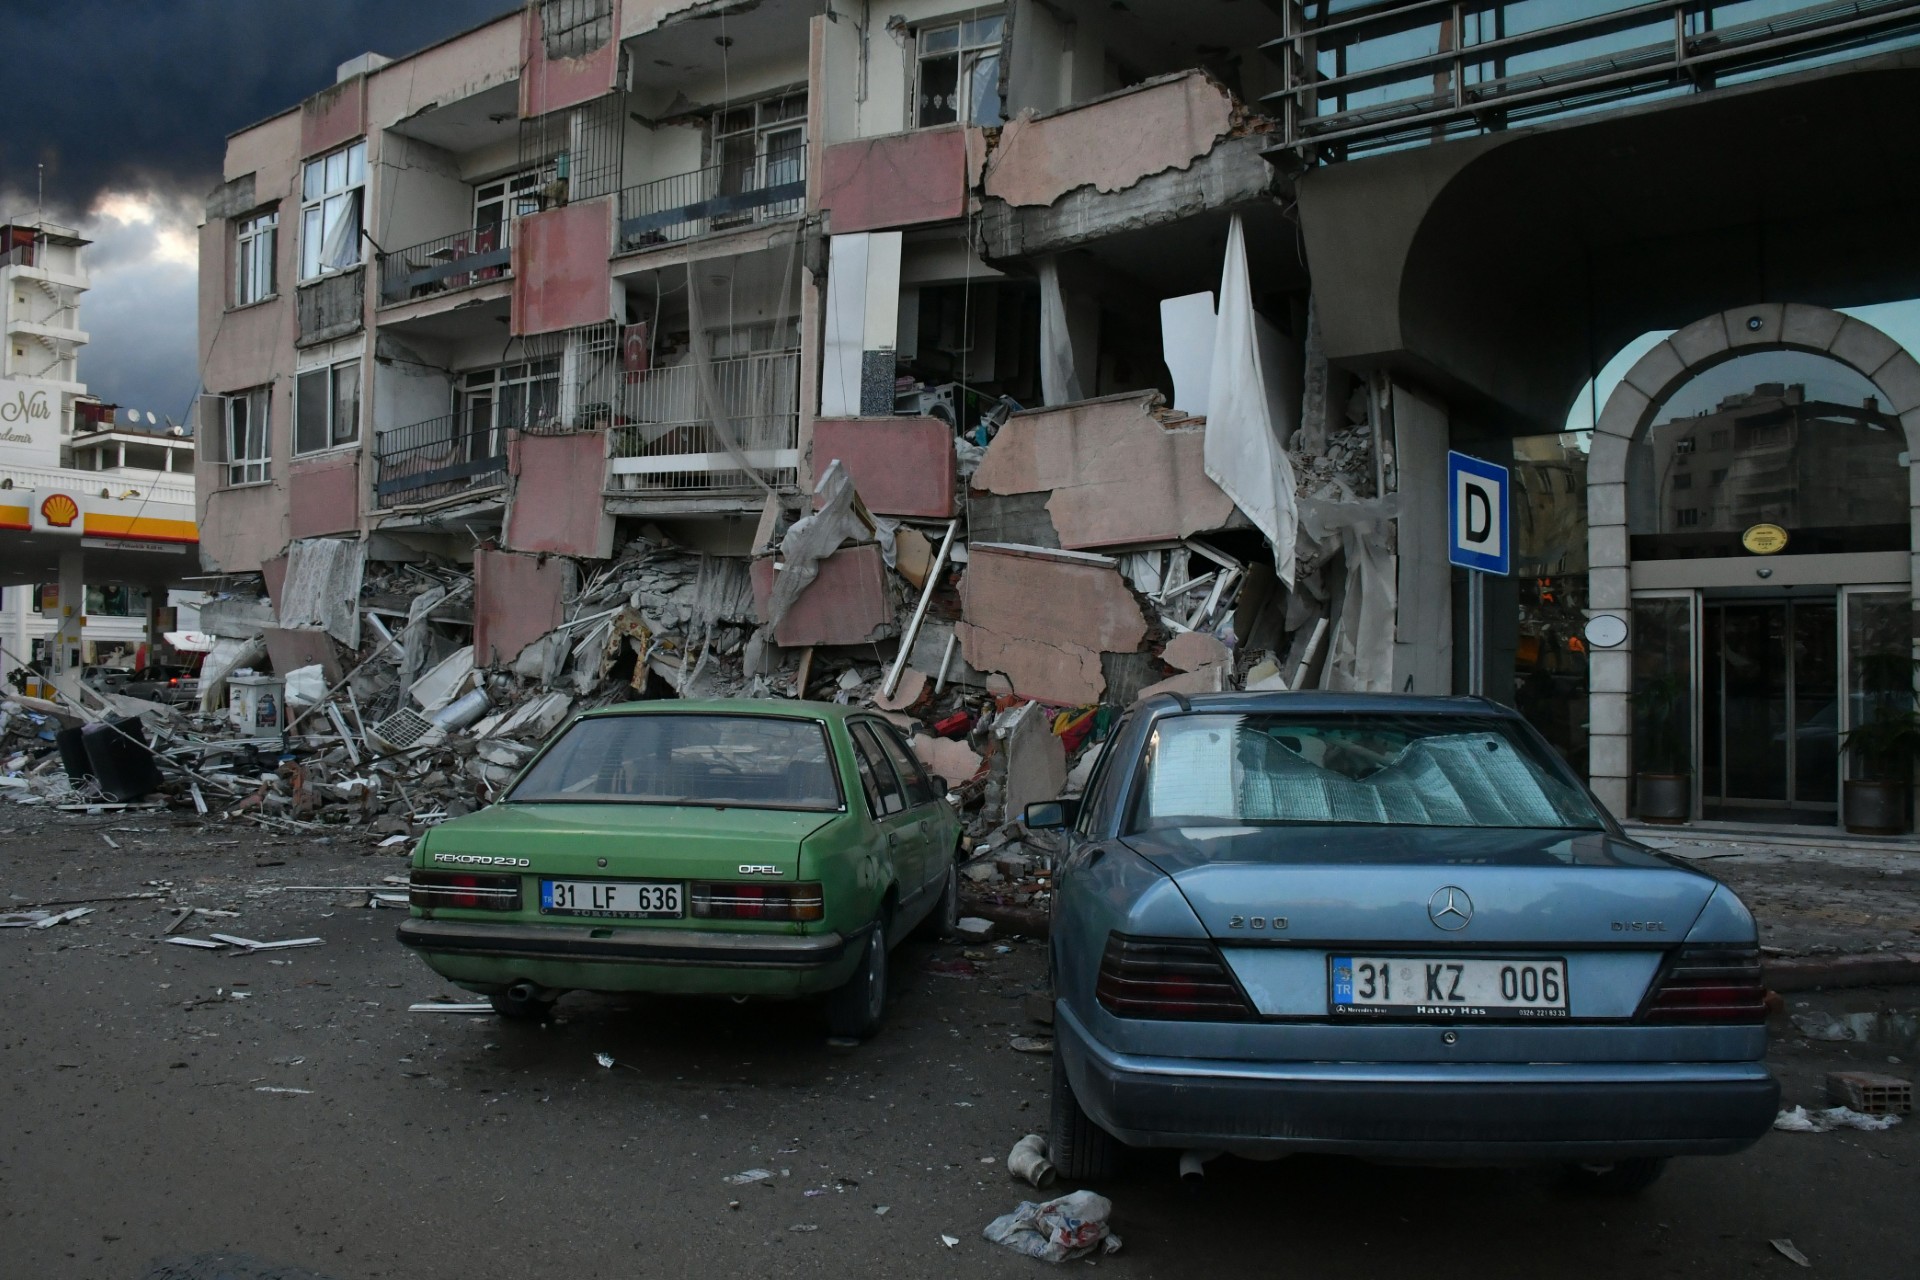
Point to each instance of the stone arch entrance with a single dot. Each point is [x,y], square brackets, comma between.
[1629,412]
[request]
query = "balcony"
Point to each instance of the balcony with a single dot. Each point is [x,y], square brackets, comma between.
[435,459]
[448,263]
[720,197]
[665,443]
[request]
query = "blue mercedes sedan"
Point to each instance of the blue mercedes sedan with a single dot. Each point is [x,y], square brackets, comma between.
[1387,926]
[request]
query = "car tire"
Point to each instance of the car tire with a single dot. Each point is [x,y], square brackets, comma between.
[854,1009]
[941,920]
[1621,1178]
[1079,1148]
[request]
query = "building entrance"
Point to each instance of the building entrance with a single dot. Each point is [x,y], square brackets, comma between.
[1770,699]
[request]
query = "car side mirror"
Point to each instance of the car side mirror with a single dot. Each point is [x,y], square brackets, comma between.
[940,787]
[1052,815]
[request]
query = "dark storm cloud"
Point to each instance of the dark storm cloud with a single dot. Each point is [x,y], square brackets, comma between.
[140,94]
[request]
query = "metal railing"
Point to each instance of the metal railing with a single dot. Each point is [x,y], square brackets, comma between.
[447,263]
[665,441]
[1406,71]
[720,197]
[438,458]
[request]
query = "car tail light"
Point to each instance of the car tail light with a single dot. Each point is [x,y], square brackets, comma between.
[1168,978]
[463,889]
[731,900]
[1710,984]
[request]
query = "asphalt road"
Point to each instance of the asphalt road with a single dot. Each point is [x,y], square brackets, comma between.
[159,1125]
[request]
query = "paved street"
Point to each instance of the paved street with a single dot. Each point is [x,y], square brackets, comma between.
[158,1121]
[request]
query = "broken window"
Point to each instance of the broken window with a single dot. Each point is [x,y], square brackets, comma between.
[253,248]
[959,72]
[512,396]
[575,28]
[326,407]
[330,211]
[247,436]
[757,146]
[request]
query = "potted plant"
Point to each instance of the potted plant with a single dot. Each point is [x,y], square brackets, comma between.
[1884,747]
[1663,786]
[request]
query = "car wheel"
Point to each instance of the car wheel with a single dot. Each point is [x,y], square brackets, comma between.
[1080,1148]
[941,920]
[853,1011]
[1620,1178]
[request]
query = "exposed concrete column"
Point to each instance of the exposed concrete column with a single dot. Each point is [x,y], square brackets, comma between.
[1423,625]
[72,613]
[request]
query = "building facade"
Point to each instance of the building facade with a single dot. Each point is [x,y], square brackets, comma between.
[1244,273]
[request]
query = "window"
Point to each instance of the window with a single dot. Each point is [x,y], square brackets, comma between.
[1717,440]
[1683,446]
[1365,769]
[253,246]
[884,793]
[247,436]
[1719,476]
[1683,480]
[330,209]
[918,786]
[697,761]
[758,146]
[490,402]
[507,198]
[1686,517]
[959,73]
[326,407]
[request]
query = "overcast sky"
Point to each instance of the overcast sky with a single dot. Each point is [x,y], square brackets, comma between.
[127,104]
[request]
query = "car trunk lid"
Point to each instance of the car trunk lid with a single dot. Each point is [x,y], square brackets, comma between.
[636,841]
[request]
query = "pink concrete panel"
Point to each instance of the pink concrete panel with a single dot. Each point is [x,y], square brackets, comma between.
[1111,143]
[548,84]
[899,466]
[333,116]
[1043,618]
[273,572]
[1119,475]
[556,503]
[560,278]
[516,600]
[847,604]
[899,180]
[324,496]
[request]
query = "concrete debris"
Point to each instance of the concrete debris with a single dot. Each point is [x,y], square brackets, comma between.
[1801,1120]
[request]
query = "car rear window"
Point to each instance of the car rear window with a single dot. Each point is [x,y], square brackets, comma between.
[746,762]
[1372,769]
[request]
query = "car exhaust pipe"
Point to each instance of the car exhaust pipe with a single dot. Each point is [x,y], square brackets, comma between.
[1193,1170]
[524,992]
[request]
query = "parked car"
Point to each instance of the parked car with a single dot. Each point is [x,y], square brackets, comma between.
[106,679]
[1392,927]
[173,685]
[697,848]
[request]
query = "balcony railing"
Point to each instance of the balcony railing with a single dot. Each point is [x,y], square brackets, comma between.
[436,459]
[720,197]
[450,262]
[665,441]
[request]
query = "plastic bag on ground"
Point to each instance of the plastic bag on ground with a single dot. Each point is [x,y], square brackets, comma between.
[1059,1230]
[1801,1120]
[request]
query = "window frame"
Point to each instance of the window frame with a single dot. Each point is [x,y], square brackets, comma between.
[876,774]
[965,57]
[331,426]
[515,195]
[917,785]
[492,382]
[256,243]
[764,124]
[245,466]
[319,195]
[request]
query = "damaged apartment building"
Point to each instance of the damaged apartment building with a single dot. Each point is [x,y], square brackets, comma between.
[905,352]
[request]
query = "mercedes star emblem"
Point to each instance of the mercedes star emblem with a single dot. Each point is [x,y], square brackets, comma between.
[1450,908]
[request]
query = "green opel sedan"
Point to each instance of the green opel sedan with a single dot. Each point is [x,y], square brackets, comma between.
[736,848]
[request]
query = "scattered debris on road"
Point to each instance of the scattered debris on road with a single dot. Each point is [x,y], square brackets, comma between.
[1058,1230]
[1801,1120]
[1028,1161]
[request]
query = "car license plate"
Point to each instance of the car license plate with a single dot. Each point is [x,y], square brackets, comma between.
[614,899]
[1449,986]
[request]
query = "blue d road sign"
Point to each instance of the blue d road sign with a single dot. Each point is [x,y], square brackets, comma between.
[1479,534]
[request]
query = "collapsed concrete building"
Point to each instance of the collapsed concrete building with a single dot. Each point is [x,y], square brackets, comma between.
[1051,351]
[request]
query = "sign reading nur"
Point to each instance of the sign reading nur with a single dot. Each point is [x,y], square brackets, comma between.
[1479,533]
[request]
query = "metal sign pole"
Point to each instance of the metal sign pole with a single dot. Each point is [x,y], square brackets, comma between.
[1476,633]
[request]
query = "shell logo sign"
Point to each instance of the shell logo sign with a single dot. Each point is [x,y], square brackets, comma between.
[60,511]
[57,513]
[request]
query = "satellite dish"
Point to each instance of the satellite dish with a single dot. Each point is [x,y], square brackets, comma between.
[153,419]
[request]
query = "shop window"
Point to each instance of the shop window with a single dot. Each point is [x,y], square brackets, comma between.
[958,76]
